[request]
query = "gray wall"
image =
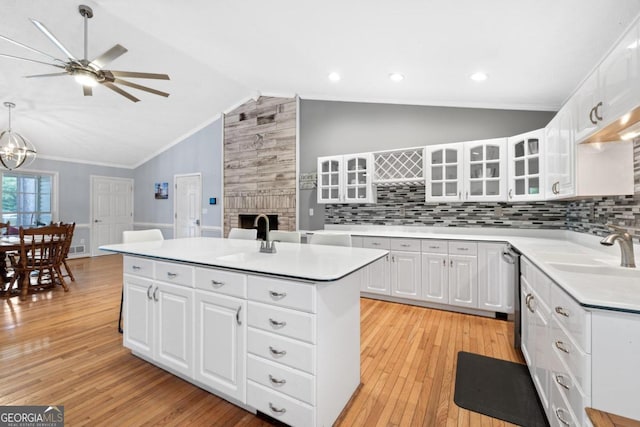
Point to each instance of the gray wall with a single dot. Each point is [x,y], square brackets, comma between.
[198,153]
[330,128]
[74,192]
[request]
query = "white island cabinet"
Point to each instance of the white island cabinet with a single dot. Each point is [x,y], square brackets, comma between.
[274,333]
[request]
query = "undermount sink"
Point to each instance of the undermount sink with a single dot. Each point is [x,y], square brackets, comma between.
[606,270]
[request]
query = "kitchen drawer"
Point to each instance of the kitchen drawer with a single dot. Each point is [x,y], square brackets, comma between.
[575,319]
[283,293]
[376,243]
[138,266]
[178,274]
[283,379]
[223,282]
[463,248]
[577,362]
[293,353]
[279,406]
[538,281]
[560,413]
[568,387]
[408,245]
[282,321]
[435,246]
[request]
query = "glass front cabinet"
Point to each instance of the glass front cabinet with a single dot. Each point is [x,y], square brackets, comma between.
[443,166]
[346,179]
[485,170]
[526,162]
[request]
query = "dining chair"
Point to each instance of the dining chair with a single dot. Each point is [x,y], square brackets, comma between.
[331,239]
[70,229]
[39,256]
[134,236]
[4,228]
[285,236]
[243,233]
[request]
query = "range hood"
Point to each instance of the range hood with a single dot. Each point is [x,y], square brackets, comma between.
[626,128]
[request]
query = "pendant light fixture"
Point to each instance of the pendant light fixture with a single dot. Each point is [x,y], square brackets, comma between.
[15,150]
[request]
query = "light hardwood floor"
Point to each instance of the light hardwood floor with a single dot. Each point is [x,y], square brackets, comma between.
[64,349]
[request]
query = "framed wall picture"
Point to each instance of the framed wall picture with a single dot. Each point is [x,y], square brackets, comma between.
[161,190]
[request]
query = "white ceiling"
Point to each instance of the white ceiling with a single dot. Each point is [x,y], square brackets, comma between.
[220,53]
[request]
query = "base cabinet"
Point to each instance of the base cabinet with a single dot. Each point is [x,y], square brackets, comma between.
[495,278]
[406,269]
[435,277]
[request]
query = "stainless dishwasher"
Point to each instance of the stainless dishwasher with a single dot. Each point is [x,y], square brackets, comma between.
[512,256]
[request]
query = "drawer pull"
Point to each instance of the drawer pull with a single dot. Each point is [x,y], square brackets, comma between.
[171,275]
[562,420]
[276,381]
[560,381]
[277,352]
[462,249]
[561,346]
[562,312]
[135,267]
[404,245]
[216,284]
[277,324]
[375,244]
[277,410]
[275,294]
[434,247]
[149,292]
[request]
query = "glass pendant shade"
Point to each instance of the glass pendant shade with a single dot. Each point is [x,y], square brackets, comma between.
[15,150]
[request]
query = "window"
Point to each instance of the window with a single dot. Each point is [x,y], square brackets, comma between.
[27,198]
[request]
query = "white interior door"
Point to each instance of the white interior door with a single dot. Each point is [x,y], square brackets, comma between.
[188,205]
[111,211]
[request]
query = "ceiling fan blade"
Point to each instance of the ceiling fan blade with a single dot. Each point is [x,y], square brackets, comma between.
[29,48]
[87,90]
[135,75]
[30,60]
[108,56]
[140,87]
[120,91]
[47,75]
[51,37]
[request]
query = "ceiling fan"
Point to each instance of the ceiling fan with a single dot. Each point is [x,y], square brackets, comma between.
[88,73]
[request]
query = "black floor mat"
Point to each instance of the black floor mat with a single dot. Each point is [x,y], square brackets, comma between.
[499,389]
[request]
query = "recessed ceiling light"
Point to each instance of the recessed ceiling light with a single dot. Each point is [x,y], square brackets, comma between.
[334,77]
[634,44]
[396,77]
[479,76]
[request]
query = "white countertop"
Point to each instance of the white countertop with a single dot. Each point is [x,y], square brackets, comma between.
[307,262]
[586,270]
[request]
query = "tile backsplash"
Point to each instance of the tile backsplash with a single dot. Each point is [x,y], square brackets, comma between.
[405,205]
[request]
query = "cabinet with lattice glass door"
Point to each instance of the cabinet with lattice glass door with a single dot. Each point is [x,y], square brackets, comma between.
[485,170]
[444,172]
[525,154]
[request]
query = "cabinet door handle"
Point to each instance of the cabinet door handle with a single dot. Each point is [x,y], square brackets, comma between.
[238,315]
[596,111]
[562,312]
[511,193]
[277,352]
[444,262]
[393,258]
[171,275]
[593,110]
[562,420]
[276,381]
[149,291]
[275,294]
[277,324]
[466,197]
[277,410]
[561,346]
[528,300]
[459,194]
[155,294]
[560,380]
[216,284]
[451,263]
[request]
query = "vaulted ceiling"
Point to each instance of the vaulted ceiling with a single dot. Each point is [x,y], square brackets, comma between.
[220,53]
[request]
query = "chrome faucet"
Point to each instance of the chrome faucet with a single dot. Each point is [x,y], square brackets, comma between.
[266,218]
[626,245]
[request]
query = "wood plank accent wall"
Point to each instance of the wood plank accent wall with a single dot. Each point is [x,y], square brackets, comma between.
[260,161]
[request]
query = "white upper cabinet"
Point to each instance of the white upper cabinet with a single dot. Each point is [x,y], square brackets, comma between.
[612,90]
[444,172]
[526,166]
[345,179]
[560,155]
[485,170]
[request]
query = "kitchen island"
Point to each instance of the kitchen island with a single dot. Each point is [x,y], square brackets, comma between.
[276,333]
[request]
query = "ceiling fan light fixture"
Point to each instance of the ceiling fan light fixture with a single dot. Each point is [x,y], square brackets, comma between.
[15,150]
[85,78]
